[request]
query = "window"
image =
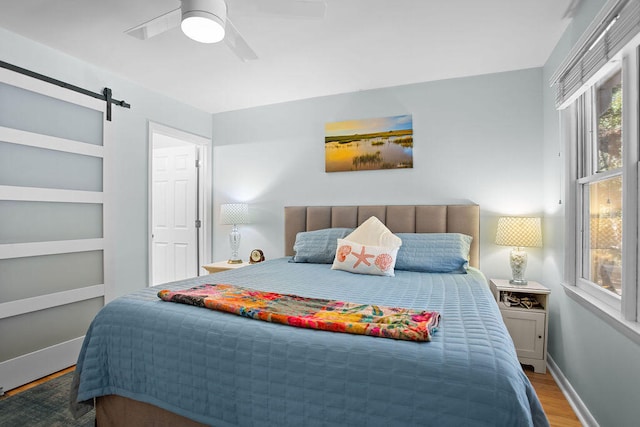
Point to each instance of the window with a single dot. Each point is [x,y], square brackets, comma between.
[599,189]
[604,257]
[603,183]
[598,94]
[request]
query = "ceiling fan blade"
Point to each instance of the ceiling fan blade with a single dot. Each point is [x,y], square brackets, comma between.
[297,8]
[237,43]
[156,25]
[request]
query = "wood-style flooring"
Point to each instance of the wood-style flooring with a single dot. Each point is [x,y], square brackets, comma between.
[555,405]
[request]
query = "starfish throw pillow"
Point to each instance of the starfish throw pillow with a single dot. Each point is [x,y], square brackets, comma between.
[364,259]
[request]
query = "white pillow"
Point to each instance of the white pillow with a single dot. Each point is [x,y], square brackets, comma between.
[365,259]
[373,232]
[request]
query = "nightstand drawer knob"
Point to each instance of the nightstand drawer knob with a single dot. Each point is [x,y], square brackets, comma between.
[539,337]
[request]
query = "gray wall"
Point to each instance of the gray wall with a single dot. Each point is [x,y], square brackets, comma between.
[476,139]
[129,141]
[599,362]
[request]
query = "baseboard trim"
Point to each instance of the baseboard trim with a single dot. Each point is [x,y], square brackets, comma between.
[581,410]
[30,367]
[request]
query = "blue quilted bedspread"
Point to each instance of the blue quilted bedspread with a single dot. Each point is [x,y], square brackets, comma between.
[225,370]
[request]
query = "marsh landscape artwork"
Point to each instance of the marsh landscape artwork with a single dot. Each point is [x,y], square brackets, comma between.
[369,144]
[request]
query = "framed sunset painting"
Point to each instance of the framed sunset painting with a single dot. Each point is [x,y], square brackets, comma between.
[369,144]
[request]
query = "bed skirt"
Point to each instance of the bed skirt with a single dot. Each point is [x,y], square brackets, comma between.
[118,411]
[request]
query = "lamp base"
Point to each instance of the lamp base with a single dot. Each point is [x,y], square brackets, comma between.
[234,242]
[518,261]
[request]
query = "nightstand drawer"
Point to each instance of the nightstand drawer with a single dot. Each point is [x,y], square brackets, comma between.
[527,329]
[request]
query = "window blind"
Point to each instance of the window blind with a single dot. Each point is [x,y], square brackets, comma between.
[616,25]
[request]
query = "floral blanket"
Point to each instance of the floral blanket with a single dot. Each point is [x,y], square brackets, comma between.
[313,313]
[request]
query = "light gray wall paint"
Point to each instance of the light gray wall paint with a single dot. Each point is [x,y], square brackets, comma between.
[129,139]
[476,139]
[601,364]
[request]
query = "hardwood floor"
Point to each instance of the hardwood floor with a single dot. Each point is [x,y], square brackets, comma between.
[555,405]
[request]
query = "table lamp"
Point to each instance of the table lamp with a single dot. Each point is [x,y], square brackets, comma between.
[519,232]
[234,214]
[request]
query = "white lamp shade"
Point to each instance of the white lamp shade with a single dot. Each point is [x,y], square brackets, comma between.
[234,213]
[519,232]
[204,20]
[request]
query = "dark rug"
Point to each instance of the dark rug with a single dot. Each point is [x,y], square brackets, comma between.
[45,405]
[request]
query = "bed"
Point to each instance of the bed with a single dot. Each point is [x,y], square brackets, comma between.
[145,361]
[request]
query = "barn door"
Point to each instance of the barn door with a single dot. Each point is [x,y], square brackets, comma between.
[54,262]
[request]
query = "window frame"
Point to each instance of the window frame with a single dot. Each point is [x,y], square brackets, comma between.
[587,174]
[622,313]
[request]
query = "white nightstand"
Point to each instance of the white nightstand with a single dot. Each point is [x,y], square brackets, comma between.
[223,266]
[528,327]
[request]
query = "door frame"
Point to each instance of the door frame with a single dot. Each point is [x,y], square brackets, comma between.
[205,196]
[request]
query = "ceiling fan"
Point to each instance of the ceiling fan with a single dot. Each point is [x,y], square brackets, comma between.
[206,21]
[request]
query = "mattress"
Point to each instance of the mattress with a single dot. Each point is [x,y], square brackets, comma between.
[225,370]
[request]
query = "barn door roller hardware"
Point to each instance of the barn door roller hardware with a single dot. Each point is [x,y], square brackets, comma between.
[104,96]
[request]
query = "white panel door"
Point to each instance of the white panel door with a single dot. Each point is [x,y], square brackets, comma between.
[174,249]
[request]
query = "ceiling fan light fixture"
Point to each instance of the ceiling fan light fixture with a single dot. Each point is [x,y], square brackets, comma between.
[204,20]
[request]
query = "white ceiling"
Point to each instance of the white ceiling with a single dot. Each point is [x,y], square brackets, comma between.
[358,45]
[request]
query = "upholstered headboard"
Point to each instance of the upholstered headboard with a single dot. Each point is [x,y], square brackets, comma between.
[398,218]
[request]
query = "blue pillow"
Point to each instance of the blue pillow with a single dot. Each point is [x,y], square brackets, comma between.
[434,252]
[319,246]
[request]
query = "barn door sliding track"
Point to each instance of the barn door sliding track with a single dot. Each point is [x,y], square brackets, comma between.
[104,96]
